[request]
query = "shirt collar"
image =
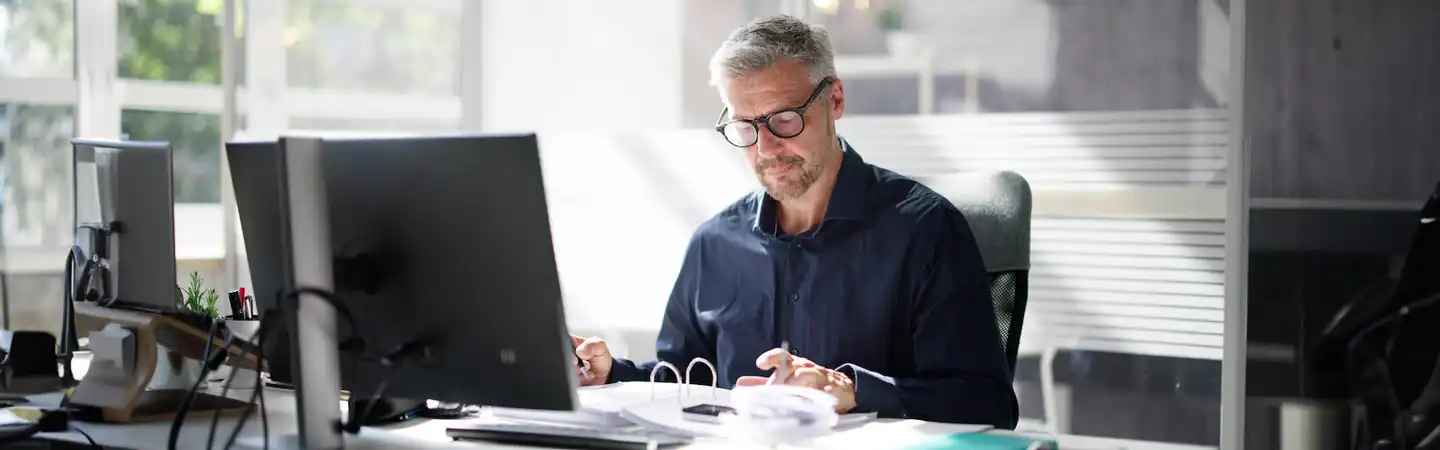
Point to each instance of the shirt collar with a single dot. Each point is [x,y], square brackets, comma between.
[848,200]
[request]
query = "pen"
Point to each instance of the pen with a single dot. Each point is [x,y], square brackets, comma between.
[574,349]
[784,369]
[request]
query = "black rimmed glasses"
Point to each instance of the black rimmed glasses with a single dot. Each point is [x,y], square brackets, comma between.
[785,123]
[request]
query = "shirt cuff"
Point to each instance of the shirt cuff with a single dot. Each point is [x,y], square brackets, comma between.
[874,392]
[625,370]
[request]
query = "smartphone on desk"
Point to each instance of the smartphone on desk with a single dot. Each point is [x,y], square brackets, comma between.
[706,413]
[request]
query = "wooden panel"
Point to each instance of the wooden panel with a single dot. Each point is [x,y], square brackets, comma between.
[1342,100]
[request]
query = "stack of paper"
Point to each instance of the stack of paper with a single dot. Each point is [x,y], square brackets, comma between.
[668,419]
[655,406]
[600,406]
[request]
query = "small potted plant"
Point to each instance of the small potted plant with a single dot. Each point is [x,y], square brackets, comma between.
[173,370]
[900,41]
[199,299]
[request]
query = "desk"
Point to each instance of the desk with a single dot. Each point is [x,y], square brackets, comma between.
[424,434]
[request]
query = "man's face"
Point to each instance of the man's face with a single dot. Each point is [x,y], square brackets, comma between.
[787,167]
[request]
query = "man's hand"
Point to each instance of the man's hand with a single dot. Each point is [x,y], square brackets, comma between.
[804,372]
[595,356]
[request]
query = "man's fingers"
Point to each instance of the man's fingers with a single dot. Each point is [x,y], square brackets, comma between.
[592,348]
[751,381]
[575,341]
[809,377]
[771,360]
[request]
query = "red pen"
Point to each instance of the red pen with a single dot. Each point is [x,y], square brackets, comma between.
[242,292]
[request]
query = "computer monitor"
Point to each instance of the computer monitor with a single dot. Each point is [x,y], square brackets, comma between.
[257,172]
[124,213]
[439,241]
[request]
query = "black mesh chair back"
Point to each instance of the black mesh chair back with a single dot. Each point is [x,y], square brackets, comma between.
[997,206]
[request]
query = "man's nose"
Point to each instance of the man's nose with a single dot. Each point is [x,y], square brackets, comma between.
[767,145]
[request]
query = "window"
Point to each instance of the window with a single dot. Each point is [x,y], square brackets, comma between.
[170,40]
[35,211]
[381,47]
[35,140]
[37,38]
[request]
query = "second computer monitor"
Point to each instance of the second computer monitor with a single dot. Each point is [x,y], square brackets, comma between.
[443,242]
[122,194]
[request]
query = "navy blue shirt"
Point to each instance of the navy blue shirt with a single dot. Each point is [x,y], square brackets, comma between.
[889,287]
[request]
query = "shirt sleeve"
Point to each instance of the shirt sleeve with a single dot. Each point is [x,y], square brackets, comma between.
[959,373]
[679,340]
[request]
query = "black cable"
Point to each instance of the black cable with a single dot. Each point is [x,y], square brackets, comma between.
[68,339]
[264,419]
[87,436]
[257,342]
[353,425]
[356,342]
[224,393]
[179,420]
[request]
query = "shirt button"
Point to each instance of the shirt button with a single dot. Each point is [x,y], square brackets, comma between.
[794,297]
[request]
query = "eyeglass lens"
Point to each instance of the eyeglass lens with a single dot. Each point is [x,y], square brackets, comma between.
[784,124]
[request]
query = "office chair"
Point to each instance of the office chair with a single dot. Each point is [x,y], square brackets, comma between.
[997,206]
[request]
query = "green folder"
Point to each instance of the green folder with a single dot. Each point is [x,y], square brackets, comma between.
[986,441]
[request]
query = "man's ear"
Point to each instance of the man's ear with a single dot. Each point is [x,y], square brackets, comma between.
[837,99]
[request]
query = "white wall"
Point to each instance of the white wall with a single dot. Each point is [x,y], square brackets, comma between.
[581,64]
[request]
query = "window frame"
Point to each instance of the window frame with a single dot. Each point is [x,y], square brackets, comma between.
[98,94]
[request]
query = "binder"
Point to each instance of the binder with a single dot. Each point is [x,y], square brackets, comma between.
[650,405]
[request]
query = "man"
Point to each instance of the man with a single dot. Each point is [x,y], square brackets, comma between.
[873,279]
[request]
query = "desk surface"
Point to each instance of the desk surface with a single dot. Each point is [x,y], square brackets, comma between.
[430,434]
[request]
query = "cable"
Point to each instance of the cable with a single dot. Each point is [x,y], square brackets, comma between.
[224,393]
[87,436]
[353,425]
[356,342]
[179,420]
[264,419]
[68,339]
[258,343]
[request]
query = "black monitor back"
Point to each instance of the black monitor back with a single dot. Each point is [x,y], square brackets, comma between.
[257,169]
[442,241]
[128,185]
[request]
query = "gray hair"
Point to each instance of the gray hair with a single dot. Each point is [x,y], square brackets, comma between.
[759,44]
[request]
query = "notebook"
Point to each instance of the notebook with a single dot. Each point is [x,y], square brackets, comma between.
[985,441]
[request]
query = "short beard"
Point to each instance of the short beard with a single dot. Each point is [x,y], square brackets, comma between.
[788,189]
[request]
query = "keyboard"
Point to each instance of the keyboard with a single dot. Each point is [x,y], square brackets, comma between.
[566,437]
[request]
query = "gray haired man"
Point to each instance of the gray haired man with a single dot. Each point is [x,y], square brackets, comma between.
[873,280]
